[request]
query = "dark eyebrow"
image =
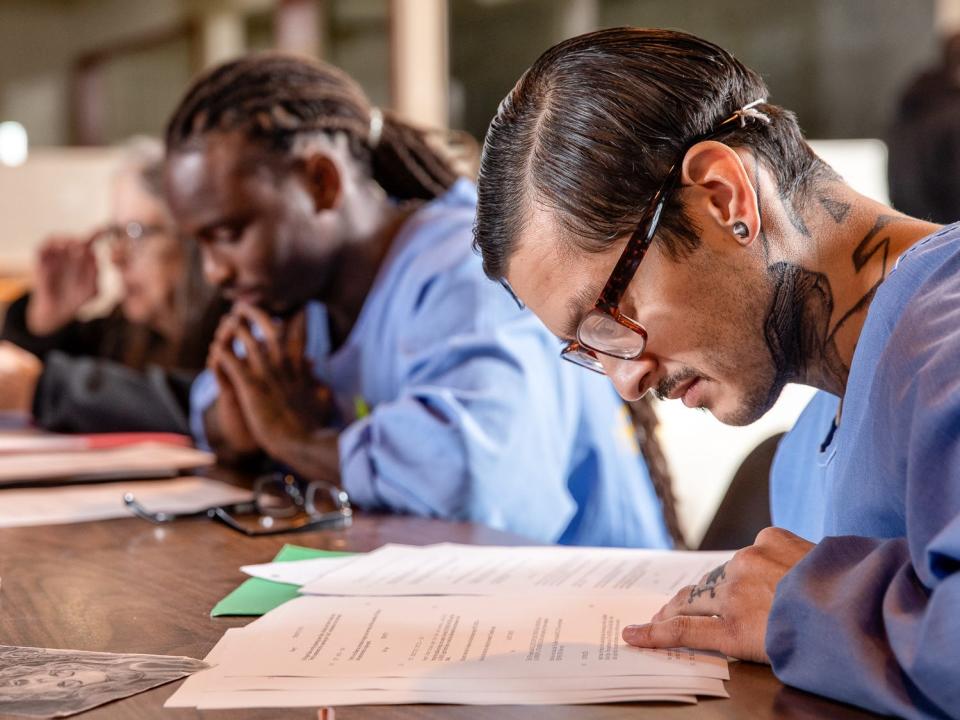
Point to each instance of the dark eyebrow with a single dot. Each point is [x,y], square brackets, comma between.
[586,297]
[236,219]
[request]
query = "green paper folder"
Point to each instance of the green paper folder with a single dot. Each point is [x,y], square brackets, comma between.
[257,596]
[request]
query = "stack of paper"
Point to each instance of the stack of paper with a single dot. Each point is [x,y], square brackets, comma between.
[461,624]
[100,501]
[33,441]
[146,459]
[255,597]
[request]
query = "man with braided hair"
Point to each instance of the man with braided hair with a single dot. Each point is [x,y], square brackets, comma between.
[365,346]
[674,227]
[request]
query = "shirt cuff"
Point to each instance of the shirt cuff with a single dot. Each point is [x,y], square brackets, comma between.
[357,474]
[203,393]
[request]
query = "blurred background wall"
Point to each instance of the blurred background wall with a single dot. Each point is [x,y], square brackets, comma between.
[81,75]
[838,63]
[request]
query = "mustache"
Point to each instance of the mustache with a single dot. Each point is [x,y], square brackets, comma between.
[232,291]
[670,383]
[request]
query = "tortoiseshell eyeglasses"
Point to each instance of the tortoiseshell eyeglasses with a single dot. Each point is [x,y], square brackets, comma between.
[605,330]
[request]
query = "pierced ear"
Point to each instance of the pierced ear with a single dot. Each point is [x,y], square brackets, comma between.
[323,181]
[715,178]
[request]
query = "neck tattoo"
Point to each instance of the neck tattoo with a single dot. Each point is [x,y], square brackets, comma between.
[800,332]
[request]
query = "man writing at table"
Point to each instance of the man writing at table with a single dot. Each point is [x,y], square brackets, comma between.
[676,229]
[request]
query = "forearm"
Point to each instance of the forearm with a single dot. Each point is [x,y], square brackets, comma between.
[465,457]
[856,603]
[232,446]
[313,456]
[43,321]
[16,329]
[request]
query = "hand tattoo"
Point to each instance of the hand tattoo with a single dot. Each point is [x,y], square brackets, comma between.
[714,578]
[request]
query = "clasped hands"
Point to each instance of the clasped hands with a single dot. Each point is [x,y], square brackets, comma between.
[728,609]
[269,399]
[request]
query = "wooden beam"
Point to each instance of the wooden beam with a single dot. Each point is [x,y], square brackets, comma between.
[419,64]
[299,27]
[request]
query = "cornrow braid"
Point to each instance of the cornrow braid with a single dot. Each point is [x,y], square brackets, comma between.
[275,98]
[645,424]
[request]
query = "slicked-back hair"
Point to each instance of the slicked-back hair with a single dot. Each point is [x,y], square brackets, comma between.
[593,127]
[274,99]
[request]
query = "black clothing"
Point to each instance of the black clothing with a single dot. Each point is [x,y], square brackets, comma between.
[924,162]
[109,375]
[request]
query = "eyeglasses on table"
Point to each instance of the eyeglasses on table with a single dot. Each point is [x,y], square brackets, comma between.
[282,503]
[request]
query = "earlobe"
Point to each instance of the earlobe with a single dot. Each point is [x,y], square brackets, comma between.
[323,181]
[714,174]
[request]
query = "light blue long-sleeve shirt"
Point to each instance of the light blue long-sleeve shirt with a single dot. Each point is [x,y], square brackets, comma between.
[872,615]
[472,414]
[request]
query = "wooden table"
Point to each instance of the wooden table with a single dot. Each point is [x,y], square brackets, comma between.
[128,586]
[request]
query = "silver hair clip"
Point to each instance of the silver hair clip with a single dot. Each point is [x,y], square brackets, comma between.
[376,127]
[749,111]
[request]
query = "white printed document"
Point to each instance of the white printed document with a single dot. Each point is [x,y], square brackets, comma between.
[461,637]
[519,650]
[295,572]
[451,569]
[462,624]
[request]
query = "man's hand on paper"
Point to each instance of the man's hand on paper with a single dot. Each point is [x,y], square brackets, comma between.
[728,610]
[19,373]
[284,408]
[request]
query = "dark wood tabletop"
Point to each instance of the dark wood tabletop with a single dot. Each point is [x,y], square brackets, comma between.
[128,586]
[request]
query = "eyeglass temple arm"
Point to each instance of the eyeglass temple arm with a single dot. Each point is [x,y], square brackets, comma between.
[505,284]
[335,518]
[633,253]
[164,517]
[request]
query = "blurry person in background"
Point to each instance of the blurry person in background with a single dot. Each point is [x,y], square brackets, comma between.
[131,369]
[924,162]
[365,347]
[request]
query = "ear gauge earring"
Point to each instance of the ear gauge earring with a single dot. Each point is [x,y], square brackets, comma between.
[740,229]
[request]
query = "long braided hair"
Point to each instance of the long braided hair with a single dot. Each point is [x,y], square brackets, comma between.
[645,424]
[274,99]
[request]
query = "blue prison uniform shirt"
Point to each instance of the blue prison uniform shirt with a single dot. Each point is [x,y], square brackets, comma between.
[473,416]
[872,615]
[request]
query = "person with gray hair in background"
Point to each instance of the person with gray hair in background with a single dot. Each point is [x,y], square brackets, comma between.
[131,369]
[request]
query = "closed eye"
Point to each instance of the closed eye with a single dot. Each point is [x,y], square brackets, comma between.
[224,232]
